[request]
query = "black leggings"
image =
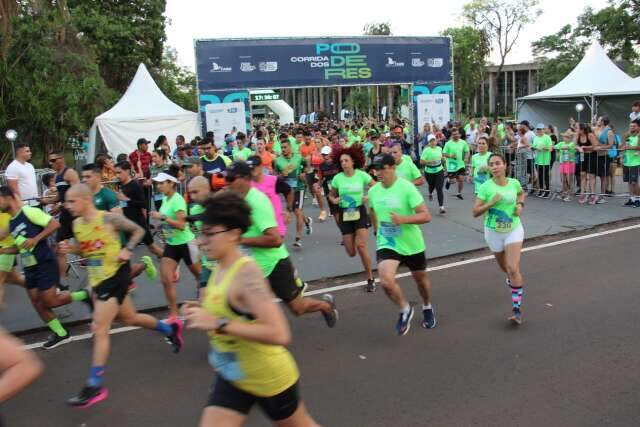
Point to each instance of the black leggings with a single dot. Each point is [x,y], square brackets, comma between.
[543,177]
[436,181]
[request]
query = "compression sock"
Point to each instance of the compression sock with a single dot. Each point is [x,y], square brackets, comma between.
[164,328]
[80,295]
[57,328]
[516,297]
[95,376]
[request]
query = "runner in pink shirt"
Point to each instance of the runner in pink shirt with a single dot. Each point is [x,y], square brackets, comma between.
[272,186]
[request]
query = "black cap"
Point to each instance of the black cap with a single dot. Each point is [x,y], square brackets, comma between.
[379,162]
[142,141]
[238,169]
[254,161]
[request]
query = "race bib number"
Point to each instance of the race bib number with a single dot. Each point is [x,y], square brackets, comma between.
[434,163]
[28,259]
[504,225]
[351,214]
[167,231]
[389,229]
[94,267]
[226,364]
[453,165]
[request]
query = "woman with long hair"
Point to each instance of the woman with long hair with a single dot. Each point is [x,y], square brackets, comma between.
[348,191]
[107,171]
[501,200]
[586,141]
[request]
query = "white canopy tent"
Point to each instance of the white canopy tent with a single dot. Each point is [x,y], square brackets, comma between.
[142,112]
[596,82]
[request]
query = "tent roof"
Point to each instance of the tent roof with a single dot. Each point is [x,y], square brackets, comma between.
[143,99]
[595,75]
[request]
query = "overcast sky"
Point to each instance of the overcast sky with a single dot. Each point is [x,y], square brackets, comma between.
[191,19]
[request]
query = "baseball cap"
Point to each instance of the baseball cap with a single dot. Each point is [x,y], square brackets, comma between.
[325,151]
[238,169]
[431,137]
[162,177]
[379,162]
[540,126]
[142,141]
[254,161]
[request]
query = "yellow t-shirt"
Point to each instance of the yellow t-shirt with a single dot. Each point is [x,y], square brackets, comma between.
[7,242]
[262,370]
[100,244]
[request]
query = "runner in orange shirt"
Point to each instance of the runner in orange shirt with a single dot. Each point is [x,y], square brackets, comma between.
[309,151]
[266,158]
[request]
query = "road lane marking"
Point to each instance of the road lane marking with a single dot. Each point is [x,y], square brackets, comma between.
[398,276]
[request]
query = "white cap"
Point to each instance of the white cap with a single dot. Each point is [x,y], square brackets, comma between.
[431,137]
[162,177]
[325,150]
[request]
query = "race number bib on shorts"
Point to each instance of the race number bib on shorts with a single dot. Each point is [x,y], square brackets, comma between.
[351,214]
[503,225]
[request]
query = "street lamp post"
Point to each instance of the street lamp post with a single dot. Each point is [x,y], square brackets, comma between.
[579,108]
[12,135]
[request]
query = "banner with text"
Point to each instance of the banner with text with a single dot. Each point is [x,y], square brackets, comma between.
[224,117]
[433,108]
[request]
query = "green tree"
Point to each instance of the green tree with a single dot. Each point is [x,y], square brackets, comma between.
[502,22]
[358,100]
[470,51]
[377,29]
[122,33]
[176,82]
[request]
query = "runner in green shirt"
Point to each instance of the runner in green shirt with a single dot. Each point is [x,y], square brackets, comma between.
[456,151]
[431,158]
[103,198]
[266,246]
[397,210]
[480,163]
[543,145]
[501,201]
[348,189]
[631,164]
[405,168]
[181,245]
[291,167]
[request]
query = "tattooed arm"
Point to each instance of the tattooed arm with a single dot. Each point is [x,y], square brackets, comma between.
[249,293]
[120,223]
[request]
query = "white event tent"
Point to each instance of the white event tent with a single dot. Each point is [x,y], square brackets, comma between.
[142,112]
[596,82]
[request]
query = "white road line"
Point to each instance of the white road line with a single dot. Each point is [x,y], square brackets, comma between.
[399,276]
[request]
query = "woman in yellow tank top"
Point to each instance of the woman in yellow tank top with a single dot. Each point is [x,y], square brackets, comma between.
[247,329]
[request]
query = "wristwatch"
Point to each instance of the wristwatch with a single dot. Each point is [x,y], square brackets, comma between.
[221,323]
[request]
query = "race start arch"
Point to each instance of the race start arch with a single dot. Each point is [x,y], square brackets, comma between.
[227,69]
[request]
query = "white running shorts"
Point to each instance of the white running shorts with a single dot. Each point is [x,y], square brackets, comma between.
[497,241]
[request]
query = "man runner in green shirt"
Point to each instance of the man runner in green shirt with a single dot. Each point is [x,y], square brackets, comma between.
[456,151]
[397,210]
[265,244]
[405,168]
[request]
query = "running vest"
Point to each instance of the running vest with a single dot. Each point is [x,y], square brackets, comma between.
[100,244]
[61,185]
[268,187]
[262,370]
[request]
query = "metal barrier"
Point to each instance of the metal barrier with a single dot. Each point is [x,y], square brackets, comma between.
[39,174]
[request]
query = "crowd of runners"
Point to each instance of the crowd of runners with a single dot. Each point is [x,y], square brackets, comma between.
[221,206]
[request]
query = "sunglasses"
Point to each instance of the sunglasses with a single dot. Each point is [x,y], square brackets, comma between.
[54,160]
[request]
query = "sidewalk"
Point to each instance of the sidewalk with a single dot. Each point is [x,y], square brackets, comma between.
[322,255]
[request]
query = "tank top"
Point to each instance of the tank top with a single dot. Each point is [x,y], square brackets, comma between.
[61,185]
[268,187]
[603,139]
[100,244]
[263,370]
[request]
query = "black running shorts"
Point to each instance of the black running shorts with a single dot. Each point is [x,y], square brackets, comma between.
[415,262]
[283,281]
[116,286]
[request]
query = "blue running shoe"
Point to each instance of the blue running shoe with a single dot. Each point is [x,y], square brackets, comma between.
[429,321]
[516,318]
[404,322]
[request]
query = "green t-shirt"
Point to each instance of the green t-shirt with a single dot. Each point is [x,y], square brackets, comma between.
[632,157]
[105,199]
[263,217]
[295,147]
[501,216]
[170,207]
[407,169]
[456,148]
[543,158]
[353,139]
[480,165]
[566,152]
[275,148]
[501,131]
[291,169]
[433,157]
[401,198]
[351,189]
[367,147]
[243,154]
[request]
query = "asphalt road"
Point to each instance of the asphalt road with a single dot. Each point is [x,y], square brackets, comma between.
[572,363]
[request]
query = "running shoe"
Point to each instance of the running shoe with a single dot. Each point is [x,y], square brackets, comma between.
[297,243]
[55,341]
[323,216]
[636,204]
[540,194]
[583,199]
[447,185]
[149,268]
[88,396]
[314,202]
[371,285]
[308,226]
[566,199]
[459,196]
[176,339]
[429,321]
[331,317]
[601,200]
[629,203]
[546,195]
[593,200]
[443,210]
[404,322]
[507,281]
[516,318]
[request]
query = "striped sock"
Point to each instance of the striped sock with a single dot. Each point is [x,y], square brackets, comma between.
[516,297]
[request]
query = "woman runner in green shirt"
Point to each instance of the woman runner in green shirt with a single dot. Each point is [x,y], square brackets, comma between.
[501,201]
[479,173]
[348,192]
[432,161]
